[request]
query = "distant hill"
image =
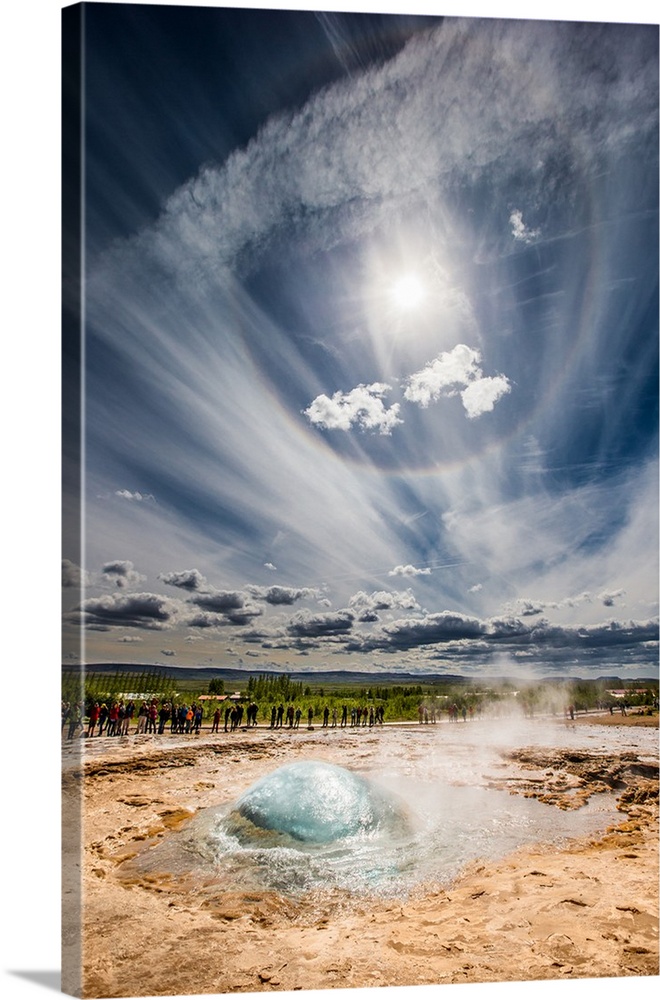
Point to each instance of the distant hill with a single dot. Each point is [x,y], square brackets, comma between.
[237,676]
[338,678]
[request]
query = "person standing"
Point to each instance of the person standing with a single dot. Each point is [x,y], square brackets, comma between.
[152,715]
[143,711]
[129,712]
[94,713]
[121,718]
[163,717]
[75,719]
[113,719]
[216,721]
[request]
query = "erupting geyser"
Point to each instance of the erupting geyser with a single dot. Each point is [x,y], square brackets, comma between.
[313,802]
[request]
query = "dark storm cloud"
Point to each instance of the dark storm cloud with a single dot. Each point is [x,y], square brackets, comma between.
[507,628]
[150,611]
[305,625]
[606,635]
[456,632]
[205,620]
[281,595]
[219,600]
[223,608]
[441,627]
[72,575]
[122,573]
[257,635]
[240,616]
[244,616]
[186,579]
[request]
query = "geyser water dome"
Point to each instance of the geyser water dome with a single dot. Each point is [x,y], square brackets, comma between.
[313,802]
[312,826]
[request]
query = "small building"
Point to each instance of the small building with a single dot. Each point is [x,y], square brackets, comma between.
[236,696]
[626,692]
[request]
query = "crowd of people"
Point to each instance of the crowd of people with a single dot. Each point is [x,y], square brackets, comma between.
[116,717]
[290,718]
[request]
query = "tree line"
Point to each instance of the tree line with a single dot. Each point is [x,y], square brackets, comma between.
[400,702]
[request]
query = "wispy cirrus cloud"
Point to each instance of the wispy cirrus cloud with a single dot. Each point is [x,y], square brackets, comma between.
[135,496]
[215,421]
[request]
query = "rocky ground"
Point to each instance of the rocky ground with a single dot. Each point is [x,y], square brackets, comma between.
[587,909]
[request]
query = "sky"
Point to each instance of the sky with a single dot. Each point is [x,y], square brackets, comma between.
[369,371]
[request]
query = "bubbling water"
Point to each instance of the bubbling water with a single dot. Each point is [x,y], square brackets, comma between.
[311,824]
[313,802]
[418,807]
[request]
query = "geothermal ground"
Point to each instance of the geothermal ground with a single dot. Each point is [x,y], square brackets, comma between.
[156,921]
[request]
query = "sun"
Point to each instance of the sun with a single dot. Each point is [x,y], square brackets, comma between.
[408,291]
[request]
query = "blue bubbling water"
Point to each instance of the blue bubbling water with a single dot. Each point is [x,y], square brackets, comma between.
[311,826]
[316,803]
[409,811]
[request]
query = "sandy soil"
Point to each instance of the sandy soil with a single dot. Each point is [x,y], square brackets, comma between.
[589,909]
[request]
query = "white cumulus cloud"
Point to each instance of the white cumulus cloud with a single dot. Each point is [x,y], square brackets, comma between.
[457,371]
[519,230]
[409,570]
[362,406]
[481,395]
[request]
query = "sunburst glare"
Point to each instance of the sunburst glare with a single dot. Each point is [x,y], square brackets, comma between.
[409,291]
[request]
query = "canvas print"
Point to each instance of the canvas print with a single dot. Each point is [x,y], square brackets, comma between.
[360,500]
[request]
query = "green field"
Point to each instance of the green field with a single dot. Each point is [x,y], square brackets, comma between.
[399,699]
